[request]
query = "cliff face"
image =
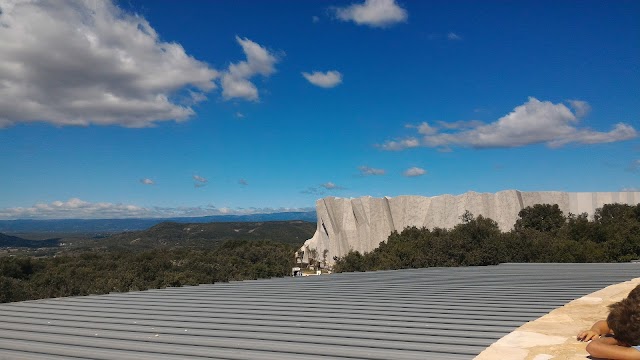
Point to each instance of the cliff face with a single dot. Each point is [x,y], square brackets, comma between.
[362,224]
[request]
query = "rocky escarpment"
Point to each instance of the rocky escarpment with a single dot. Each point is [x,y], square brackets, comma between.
[361,224]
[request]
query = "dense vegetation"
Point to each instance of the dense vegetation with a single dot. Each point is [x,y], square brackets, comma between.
[209,235]
[99,272]
[542,233]
[7,241]
[168,254]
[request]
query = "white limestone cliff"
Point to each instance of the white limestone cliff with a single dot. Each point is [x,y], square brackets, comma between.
[361,224]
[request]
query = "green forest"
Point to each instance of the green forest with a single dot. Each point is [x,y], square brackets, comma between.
[167,254]
[542,233]
[101,272]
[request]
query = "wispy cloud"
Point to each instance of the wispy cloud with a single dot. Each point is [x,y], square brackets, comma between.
[92,63]
[239,115]
[368,171]
[199,181]
[397,145]
[414,172]
[315,19]
[374,13]
[147,181]
[243,182]
[322,189]
[634,166]
[453,36]
[312,190]
[331,186]
[78,209]
[235,80]
[326,80]
[534,122]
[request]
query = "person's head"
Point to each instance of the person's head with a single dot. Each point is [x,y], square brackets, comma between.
[624,320]
[635,294]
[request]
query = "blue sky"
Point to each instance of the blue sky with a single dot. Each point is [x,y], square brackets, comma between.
[171,108]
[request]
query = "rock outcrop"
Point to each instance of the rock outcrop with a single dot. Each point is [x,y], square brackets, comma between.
[361,224]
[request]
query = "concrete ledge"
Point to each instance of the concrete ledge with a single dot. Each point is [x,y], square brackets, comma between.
[553,336]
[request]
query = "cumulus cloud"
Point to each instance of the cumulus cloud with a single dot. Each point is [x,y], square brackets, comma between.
[414,171]
[235,80]
[368,171]
[326,80]
[581,108]
[243,182]
[534,122]
[91,63]
[455,125]
[374,13]
[78,209]
[147,181]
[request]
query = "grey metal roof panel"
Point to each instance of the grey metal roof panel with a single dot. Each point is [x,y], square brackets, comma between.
[435,313]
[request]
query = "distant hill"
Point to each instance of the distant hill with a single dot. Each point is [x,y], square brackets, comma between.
[101,226]
[7,241]
[206,235]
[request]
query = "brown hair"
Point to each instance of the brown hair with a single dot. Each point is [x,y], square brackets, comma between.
[635,294]
[624,320]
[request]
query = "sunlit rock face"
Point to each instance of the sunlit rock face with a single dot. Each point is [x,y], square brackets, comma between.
[361,224]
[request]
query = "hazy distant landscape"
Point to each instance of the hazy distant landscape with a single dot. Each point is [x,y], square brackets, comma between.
[110,226]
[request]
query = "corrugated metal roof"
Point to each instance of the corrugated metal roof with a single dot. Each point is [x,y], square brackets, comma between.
[433,313]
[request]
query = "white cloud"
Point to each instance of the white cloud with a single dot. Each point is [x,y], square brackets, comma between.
[367,171]
[630,189]
[453,36]
[426,129]
[398,145]
[91,63]
[414,171]
[315,19]
[331,186]
[239,115]
[235,80]
[147,181]
[375,13]
[78,209]
[582,108]
[634,166]
[460,124]
[328,79]
[534,122]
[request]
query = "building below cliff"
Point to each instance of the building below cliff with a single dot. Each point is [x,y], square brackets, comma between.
[361,224]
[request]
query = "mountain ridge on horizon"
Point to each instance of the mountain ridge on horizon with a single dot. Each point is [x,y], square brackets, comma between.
[133,224]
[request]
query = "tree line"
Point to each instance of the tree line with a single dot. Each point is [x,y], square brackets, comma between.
[100,272]
[542,233]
